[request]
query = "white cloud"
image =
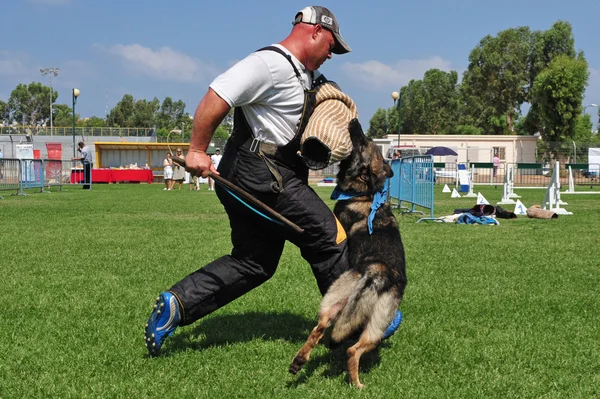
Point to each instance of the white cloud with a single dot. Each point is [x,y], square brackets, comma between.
[163,63]
[49,2]
[375,74]
[12,63]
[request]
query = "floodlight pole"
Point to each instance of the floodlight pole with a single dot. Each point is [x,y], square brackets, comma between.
[75,93]
[50,71]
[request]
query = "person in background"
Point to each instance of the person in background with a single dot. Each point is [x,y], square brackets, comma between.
[496,162]
[168,171]
[216,159]
[178,171]
[86,159]
[193,181]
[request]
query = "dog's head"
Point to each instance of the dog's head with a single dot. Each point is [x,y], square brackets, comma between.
[365,170]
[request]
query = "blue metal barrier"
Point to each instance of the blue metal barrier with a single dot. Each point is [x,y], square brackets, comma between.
[413,184]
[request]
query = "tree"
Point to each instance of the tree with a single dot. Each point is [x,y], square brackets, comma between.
[4,112]
[171,114]
[122,114]
[559,90]
[412,108]
[545,46]
[378,125]
[30,105]
[63,115]
[144,113]
[94,121]
[441,101]
[493,84]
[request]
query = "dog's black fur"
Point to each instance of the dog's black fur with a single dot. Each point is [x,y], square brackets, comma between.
[365,298]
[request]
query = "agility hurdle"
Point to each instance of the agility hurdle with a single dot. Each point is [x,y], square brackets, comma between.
[583,169]
[552,199]
[476,166]
[508,188]
[413,184]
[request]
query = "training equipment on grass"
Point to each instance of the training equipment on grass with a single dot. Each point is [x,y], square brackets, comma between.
[552,199]
[481,200]
[446,189]
[508,188]
[520,209]
[454,194]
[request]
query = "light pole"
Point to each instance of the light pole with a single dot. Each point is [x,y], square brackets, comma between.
[586,107]
[76,93]
[397,103]
[50,71]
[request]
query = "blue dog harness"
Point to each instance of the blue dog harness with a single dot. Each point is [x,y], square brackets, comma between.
[379,199]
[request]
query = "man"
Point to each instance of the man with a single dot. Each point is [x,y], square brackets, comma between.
[271,92]
[86,160]
[216,159]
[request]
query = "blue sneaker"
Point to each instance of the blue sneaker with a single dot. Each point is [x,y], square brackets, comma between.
[393,325]
[162,322]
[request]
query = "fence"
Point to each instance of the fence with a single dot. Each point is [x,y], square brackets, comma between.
[20,174]
[413,184]
[79,131]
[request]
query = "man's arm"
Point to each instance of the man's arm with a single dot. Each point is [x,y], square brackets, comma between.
[210,113]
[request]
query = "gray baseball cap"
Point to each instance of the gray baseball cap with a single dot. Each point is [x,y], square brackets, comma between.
[316,15]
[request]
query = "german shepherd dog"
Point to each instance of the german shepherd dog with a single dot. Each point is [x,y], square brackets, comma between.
[364,300]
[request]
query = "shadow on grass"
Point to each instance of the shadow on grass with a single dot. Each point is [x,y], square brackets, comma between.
[218,331]
[335,362]
[222,330]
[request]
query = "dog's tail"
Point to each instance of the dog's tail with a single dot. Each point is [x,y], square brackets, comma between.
[371,306]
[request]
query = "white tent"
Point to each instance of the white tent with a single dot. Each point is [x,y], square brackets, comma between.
[594,160]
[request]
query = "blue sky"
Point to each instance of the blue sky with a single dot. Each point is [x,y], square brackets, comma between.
[175,48]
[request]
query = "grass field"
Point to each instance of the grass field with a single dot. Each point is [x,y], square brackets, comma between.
[508,311]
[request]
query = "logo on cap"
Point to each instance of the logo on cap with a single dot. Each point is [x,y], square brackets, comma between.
[326,20]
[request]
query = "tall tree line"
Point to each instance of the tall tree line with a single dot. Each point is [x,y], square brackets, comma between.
[516,67]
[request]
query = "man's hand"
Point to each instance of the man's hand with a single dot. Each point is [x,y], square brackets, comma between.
[198,163]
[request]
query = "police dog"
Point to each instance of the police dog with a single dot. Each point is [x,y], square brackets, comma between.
[363,301]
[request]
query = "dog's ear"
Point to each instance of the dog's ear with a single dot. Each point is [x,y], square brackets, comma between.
[356,133]
[388,170]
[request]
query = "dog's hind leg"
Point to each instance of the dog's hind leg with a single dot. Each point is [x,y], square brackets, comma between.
[364,344]
[326,317]
[381,316]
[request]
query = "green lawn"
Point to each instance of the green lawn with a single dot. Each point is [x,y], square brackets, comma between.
[509,311]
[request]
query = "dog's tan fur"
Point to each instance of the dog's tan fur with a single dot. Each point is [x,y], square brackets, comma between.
[365,298]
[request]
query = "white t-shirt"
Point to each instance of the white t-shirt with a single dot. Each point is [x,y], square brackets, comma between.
[216,159]
[265,86]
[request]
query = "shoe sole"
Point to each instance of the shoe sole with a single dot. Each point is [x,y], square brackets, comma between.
[154,348]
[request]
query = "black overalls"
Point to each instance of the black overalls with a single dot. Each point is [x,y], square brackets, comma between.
[278,177]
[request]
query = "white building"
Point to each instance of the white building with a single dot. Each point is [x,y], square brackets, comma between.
[510,149]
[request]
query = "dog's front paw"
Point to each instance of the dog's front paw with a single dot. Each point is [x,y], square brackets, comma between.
[297,364]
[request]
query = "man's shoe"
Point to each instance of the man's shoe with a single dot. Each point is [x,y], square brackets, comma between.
[162,322]
[394,325]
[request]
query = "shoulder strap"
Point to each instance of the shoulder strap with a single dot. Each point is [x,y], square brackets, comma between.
[287,57]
